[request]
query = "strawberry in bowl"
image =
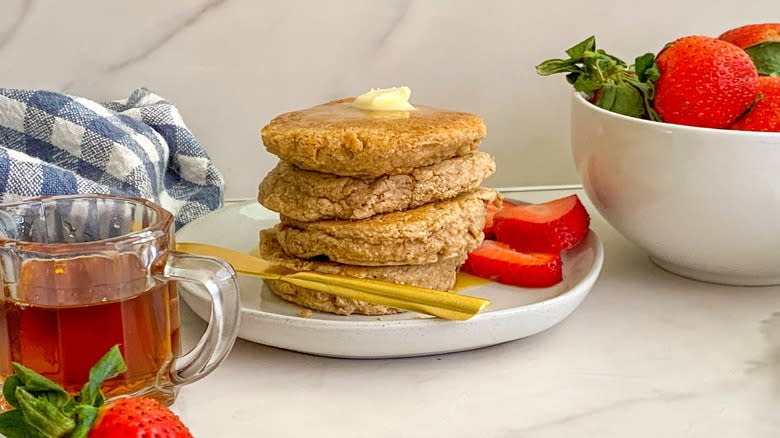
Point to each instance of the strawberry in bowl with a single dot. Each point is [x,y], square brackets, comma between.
[694,80]
[689,173]
[761,42]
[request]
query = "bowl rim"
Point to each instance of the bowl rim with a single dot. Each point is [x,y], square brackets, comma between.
[580,97]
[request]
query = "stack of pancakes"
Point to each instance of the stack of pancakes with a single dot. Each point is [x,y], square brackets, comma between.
[387,195]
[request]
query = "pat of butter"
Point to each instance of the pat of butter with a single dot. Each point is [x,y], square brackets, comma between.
[385,99]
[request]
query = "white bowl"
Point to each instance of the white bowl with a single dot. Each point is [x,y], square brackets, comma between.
[704,203]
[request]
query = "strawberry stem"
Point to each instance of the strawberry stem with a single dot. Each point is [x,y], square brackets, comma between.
[608,81]
[110,365]
[14,425]
[33,383]
[46,410]
[85,418]
[44,416]
[766,58]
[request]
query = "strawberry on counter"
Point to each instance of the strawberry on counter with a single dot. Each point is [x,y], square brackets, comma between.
[137,417]
[45,410]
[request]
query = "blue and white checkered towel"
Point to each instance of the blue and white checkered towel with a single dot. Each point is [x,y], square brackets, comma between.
[53,143]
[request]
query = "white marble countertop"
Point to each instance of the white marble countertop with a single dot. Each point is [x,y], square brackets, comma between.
[648,354]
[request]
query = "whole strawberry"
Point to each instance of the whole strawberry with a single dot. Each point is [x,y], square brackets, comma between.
[704,82]
[44,409]
[764,115]
[137,417]
[762,44]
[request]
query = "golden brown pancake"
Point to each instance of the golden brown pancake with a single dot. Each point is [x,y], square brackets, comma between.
[339,139]
[324,302]
[309,196]
[439,276]
[419,236]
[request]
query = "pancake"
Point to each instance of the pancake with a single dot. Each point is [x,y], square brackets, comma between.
[419,236]
[310,196]
[439,276]
[323,302]
[340,139]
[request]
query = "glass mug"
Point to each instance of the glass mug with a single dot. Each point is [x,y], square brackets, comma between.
[81,273]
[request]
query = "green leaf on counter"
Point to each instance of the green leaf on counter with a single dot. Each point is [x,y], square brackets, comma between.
[35,382]
[85,418]
[44,416]
[14,425]
[36,385]
[9,390]
[45,410]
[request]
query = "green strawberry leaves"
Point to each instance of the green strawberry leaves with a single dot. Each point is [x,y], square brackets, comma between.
[85,418]
[647,74]
[14,425]
[110,365]
[606,80]
[621,99]
[766,58]
[33,383]
[578,51]
[645,68]
[43,415]
[45,410]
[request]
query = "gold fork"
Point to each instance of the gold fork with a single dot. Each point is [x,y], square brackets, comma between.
[431,302]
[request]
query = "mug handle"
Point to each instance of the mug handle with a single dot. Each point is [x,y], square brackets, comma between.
[216,277]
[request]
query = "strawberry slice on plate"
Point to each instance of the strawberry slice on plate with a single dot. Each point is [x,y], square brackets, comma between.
[550,227]
[499,262]
[492,209]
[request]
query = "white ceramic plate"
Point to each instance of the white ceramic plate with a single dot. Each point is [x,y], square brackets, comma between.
[514,313]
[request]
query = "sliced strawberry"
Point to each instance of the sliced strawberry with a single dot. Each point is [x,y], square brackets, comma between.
[497,261]
[492,209]
[549,228]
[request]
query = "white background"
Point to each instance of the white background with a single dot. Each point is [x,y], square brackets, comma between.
[231,65]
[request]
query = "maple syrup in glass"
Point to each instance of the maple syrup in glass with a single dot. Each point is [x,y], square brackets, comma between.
[80,274]
[62,334]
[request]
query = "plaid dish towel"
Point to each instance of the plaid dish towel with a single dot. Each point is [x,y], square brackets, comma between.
[53,143]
